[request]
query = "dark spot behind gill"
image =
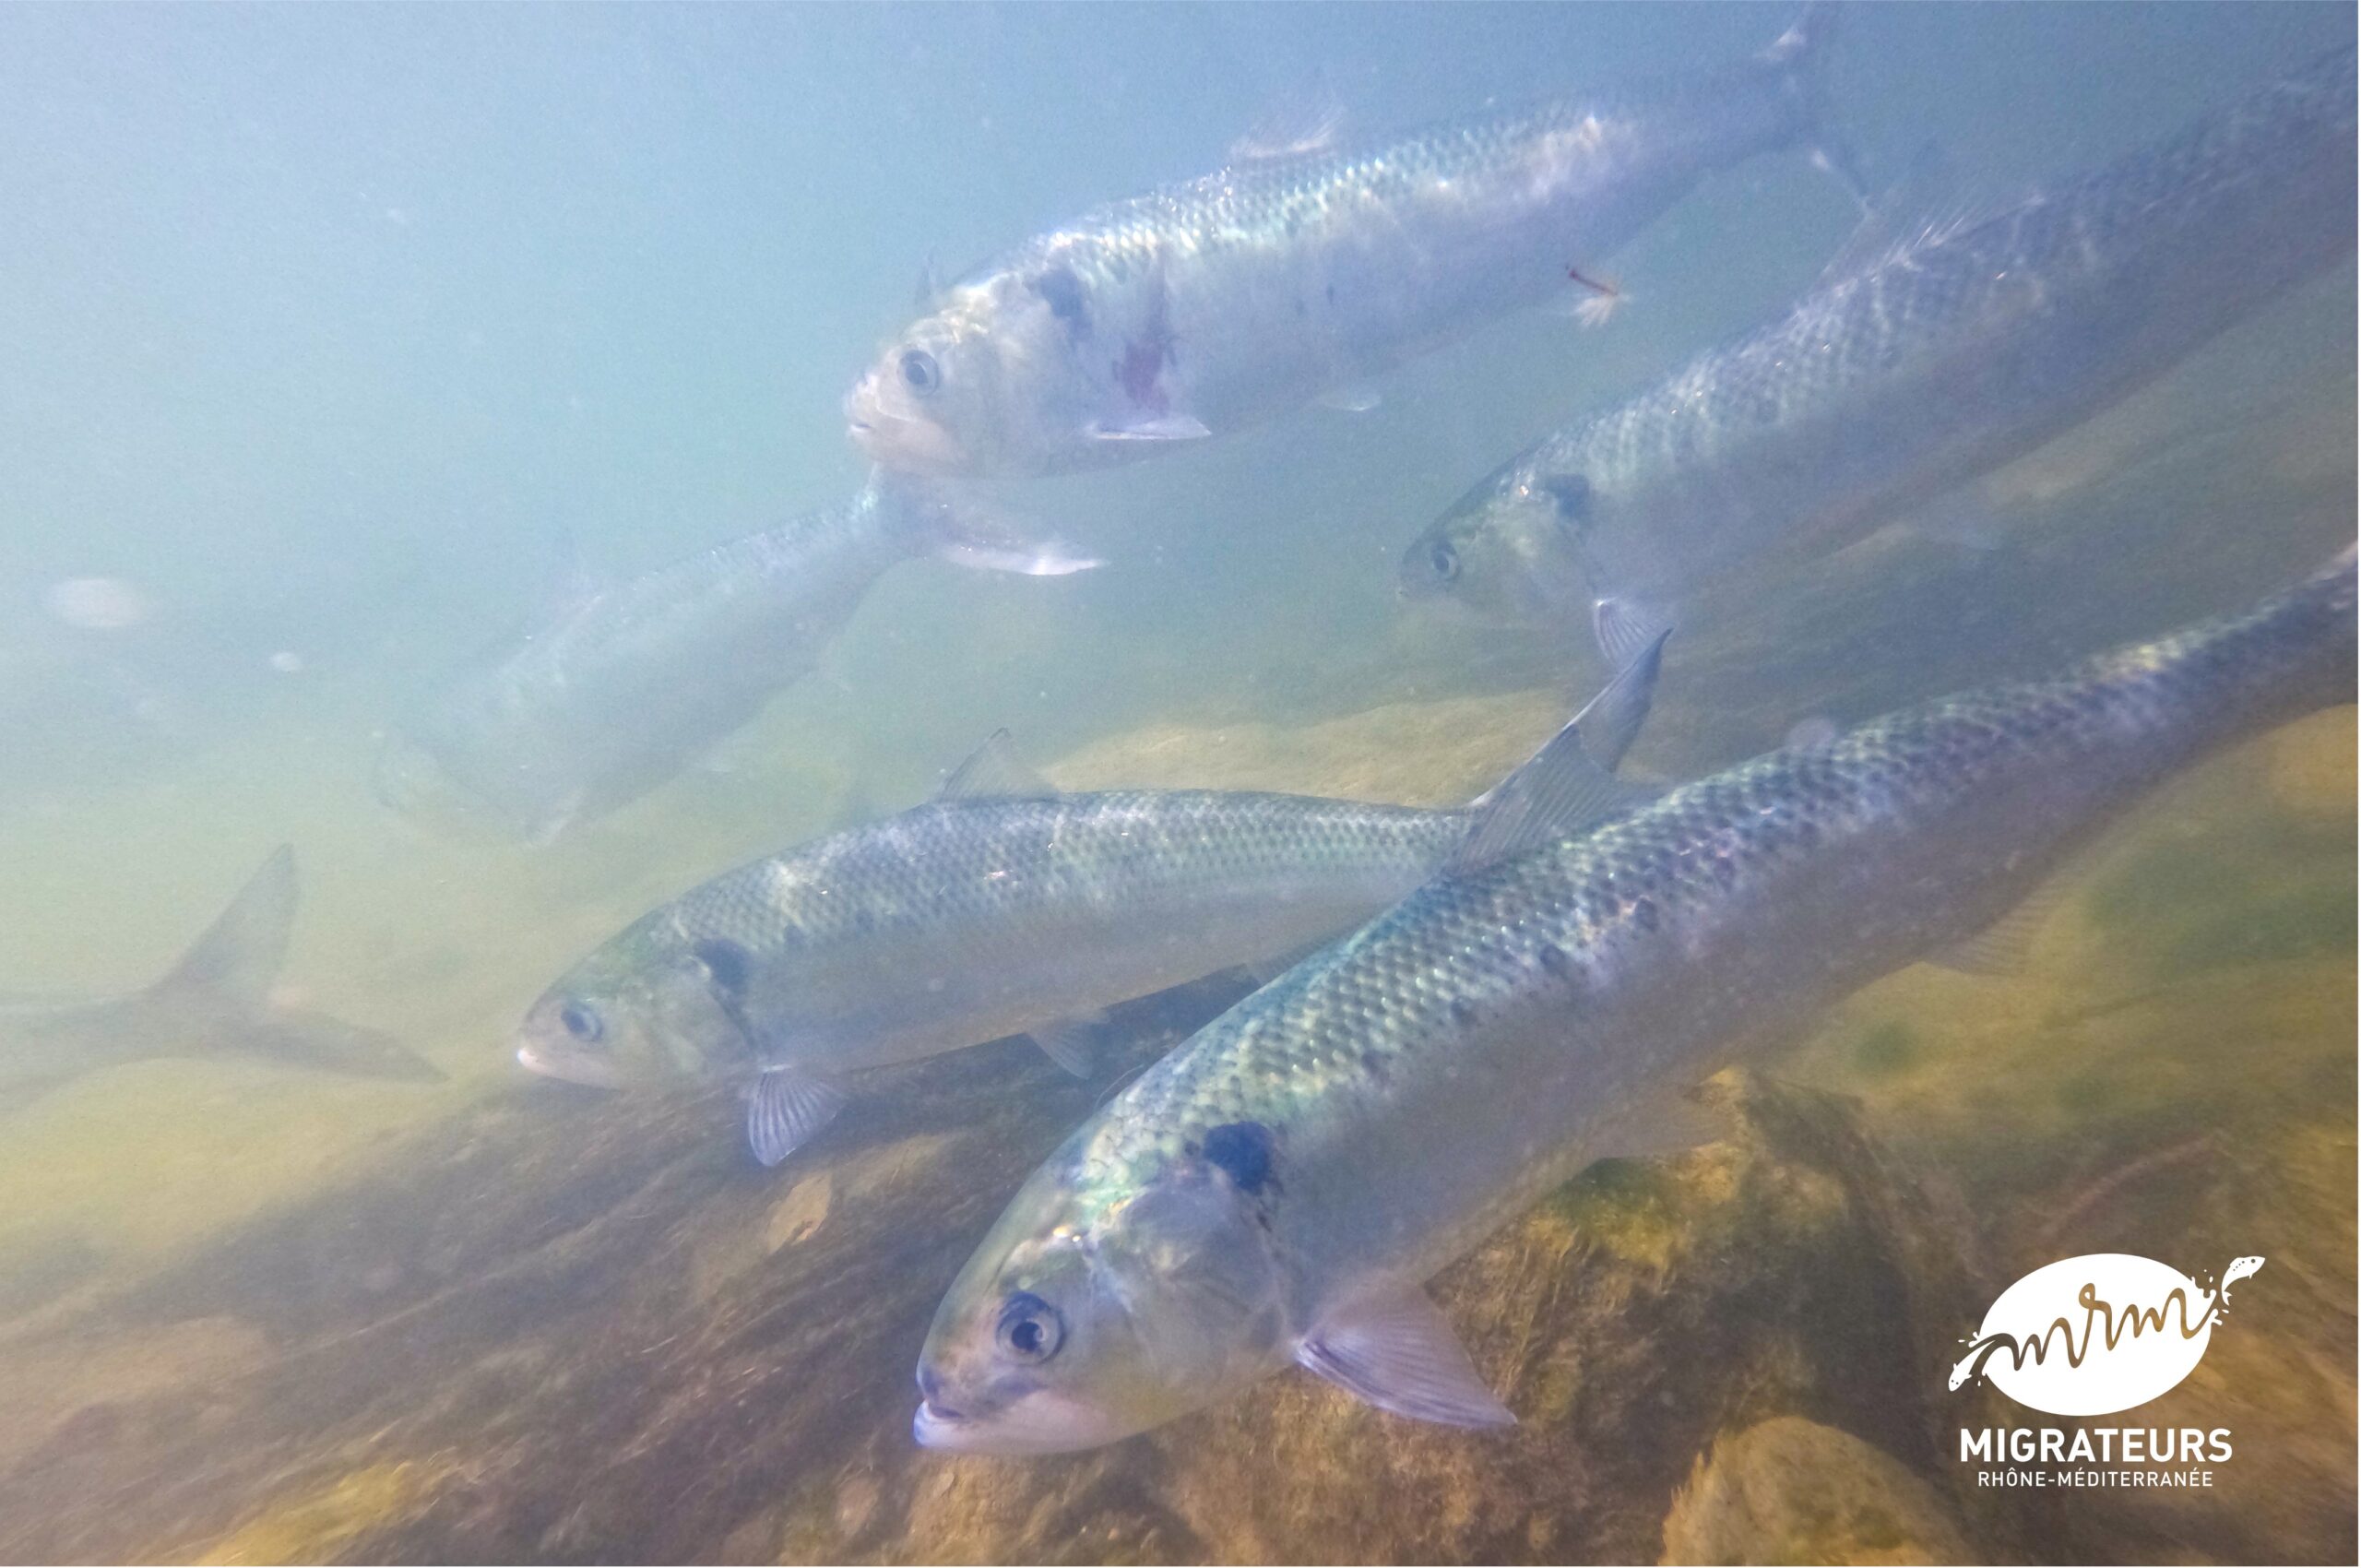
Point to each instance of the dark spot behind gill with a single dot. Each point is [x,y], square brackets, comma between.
[726,963]
[1061,291]
[1245,1151]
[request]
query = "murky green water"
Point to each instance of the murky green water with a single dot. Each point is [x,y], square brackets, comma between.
[330,322]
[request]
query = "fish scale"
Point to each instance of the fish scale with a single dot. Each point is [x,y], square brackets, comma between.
[1207,306]
[1002,861]
[967,918]
[1326,1046]
[1943,355]
[1279,1185]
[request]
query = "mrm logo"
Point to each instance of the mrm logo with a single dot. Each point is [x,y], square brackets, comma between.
[2097,1333]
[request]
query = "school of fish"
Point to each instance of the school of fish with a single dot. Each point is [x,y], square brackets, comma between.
[1461,1006]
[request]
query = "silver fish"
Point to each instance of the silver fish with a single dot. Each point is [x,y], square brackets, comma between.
[613,690]
[1279,1187]
[1207,306]
[1907,373]
[1002,906]
[214,1002]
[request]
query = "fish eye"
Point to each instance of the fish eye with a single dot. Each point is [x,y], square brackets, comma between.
[1444,560]
[1030,1329]
[919,371]
[582,1021]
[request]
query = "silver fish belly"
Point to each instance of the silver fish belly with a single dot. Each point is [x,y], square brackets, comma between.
[962,921]
[1939,358]
[1278,1187]
[1209,305]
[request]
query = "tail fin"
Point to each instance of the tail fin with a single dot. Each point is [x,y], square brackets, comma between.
[226,977]
[1801,52]
[238,956]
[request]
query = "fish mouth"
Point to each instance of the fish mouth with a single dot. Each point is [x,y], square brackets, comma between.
[1036,1423]
[909,442]
[946,1429]
[567,1069]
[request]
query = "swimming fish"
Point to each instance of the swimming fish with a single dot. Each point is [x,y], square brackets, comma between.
[1906,373]
[1207,306]
[613,690]
[214,1002]
[1002,906]
[1280,1186]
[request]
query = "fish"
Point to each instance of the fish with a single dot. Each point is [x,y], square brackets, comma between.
[215,1003]
[1279,1187]
[610,691]
[1916,364]
[1208,306]
[1002,906]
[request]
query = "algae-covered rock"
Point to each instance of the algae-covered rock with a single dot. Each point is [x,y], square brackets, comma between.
[626,1343]
[1792,1491]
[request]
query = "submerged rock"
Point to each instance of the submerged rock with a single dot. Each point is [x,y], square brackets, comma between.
[1791,1490]
[562,1367]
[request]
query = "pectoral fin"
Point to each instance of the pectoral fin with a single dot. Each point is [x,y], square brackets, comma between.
[1149,427]
[1352,399]
[784,1109]
[1625,627]
[1393,1350]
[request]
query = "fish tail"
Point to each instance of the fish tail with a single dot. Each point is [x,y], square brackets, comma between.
[238,956]
[1800,54]
[227,974]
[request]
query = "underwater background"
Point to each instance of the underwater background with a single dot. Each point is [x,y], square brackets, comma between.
[331,332]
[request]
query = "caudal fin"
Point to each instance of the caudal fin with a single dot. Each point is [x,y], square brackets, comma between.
[238,955]
[225,979]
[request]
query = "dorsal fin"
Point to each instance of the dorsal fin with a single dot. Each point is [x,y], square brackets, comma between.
[570,584]
[1923,207]
[1569,784]
[995,773]
[1310,121]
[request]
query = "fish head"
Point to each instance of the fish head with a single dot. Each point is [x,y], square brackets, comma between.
[1080,1322]
[943,398]
[1508,552]
[633,1013]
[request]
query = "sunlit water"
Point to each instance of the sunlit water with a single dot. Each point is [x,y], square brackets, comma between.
[327,327]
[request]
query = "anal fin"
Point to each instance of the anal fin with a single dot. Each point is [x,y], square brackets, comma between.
[1067,1043]
[1395,1350]
[2005,947]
